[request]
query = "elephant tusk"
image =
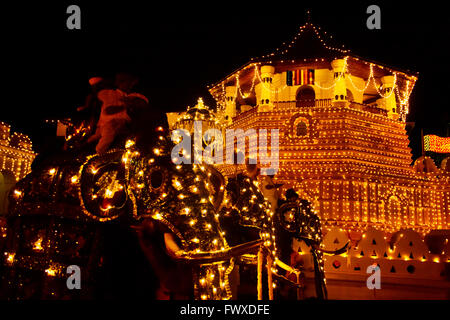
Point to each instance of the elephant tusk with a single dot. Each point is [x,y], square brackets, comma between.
[332,252]
[286,280]
[286,267]
[314,245]
[211,257]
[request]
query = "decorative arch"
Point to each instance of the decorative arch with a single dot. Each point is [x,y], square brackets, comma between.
[305,96]
[299,127]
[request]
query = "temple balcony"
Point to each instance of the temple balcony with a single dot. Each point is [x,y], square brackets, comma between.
[292,105]
[288,105]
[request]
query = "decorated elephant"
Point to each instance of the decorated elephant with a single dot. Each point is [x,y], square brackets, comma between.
[295,219]
[61,213]
[76,209]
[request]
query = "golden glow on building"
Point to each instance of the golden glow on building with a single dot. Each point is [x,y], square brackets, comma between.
[343,146]
[16,154]
[343,143]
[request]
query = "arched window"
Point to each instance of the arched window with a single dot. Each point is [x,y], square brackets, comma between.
[305,97]
[302,129]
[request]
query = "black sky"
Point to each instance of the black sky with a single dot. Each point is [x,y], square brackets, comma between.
[179,49]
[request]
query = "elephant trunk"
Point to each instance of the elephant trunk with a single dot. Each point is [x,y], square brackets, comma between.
[207,257]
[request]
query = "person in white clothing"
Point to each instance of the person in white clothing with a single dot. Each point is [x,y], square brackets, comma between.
[270,190]
[266,184]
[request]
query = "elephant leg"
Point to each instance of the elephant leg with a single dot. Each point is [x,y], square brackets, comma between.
[269,276]
[260,273]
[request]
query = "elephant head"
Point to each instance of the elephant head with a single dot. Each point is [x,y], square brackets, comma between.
[185,198]
[293,219]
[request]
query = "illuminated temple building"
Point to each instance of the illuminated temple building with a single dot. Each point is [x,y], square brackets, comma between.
[343,146]
[16,156]
[343,142]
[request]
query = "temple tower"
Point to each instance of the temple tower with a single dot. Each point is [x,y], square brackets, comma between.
[388,96]
[230,102]
[265,101]
[340,88]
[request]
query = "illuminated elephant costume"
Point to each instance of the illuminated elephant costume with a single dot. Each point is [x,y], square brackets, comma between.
[57,211]
[296,219]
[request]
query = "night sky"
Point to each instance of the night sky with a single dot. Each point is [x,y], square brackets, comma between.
[179,49]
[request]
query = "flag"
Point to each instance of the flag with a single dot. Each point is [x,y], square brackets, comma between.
[289,78]
[436,144]
[300,77]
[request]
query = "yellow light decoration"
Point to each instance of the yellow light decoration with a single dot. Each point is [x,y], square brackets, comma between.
[16,154]
[37,246]
[129,144]
[10,257]
[17,193]
[436,144]
[51,271]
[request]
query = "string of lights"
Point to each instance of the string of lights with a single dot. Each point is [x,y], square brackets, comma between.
[370,80]
[286,46]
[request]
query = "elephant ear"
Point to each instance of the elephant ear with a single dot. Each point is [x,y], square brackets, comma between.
[103,187]
[310,223]
[288,217]
[299,219]
[151,186]
[232,189]
[245,197]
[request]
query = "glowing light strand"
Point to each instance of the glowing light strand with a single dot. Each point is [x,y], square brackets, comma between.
[371,78]
[252,86]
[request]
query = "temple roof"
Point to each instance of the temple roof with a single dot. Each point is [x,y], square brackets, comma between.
[309,43]
[316,48]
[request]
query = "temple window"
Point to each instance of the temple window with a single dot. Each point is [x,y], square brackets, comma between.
[305,97]
[302,129]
